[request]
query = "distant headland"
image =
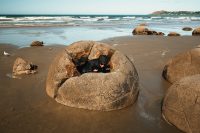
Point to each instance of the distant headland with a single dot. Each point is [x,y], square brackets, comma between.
[168,13]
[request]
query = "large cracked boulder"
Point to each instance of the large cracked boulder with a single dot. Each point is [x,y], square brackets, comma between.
[22,67]
[181,105]
[182,65]
[94,91]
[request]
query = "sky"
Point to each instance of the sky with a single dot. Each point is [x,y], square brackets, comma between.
[95,6]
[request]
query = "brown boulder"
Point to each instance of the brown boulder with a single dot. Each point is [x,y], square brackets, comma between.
[182,65]
[187,29]
[37,43]
[21,67]
[196,32]
[94,91]
[160,33]
[174,34]
[181,105]
[140,30]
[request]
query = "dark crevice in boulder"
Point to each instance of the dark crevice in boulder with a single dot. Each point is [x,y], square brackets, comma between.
[164,73]
[58,86]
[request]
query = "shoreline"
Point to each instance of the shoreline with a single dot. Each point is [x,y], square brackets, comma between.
[25,105]
[59,25]
[109,40]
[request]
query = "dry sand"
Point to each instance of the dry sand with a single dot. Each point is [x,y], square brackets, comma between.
[26,108]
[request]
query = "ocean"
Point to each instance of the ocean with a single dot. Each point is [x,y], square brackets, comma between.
[21,30]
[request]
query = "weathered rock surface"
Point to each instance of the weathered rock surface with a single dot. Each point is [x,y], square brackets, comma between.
[181,105]
[94,91]
[22,66]
[182,65]
[37,43]
[187,29]
[174,34]
[196,32]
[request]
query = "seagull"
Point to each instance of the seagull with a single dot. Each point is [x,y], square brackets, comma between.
[6,54]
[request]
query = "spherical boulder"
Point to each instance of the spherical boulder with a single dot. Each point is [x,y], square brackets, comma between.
[182,65]
[181,104]
[196,32]
[22,66]
[37,43]
[94,91]
[187,29]
[174,34]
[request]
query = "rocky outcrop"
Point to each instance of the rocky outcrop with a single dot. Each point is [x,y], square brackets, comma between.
[143,30]
[22,66]
[182,65]
[196,32]
[181,105]
[95,91]
[174,34]
[37,43]
[187,29]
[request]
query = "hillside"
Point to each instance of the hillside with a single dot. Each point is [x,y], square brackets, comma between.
[182,13]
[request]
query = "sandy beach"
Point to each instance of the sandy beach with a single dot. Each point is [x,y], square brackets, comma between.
[25,106]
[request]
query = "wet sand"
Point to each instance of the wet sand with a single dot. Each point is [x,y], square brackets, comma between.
[25,106]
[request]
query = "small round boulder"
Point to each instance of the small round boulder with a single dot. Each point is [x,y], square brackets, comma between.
[22,66]
[182,65]
[94,91]
[37,43]
[187,29]
[181,105]
[174,34]
[196,32]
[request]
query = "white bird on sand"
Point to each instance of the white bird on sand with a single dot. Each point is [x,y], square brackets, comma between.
[5,53]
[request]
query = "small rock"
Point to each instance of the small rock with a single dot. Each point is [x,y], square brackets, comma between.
[174,34]
[160,33]
[187,29]
[37,43]
[21,67]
